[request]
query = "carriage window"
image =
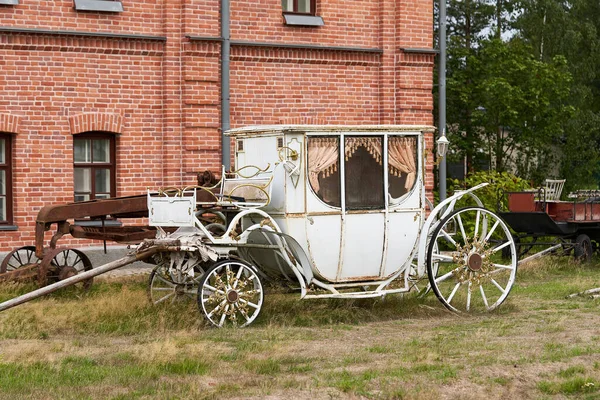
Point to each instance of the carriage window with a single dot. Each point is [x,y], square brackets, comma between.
[402,165]
[363,172]
[323,172]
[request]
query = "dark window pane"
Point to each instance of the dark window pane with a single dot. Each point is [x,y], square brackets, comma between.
[2,151]
[2,208]
[82,197]
[323,168]
[82,151]
[83,180]
[304,6]
[2,182]
[363,173]
[101,150]
[102,181]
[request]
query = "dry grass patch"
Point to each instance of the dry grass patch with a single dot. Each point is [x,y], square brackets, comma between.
[110,343]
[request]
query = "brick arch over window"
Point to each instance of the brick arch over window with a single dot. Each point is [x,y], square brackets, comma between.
[89,122]
[10,123]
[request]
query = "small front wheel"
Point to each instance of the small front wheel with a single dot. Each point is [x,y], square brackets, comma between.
[230,294]
[472,260]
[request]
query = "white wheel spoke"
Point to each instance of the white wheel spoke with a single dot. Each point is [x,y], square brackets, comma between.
[442,257]
[449,299]
[162,289]
[483,296]
[224,315]
[448,238]
[502,266]
[484,225]
[164,298]
[237,277]
[491,232]
[469,297]
[478,215]
[249,303]
[210,314]
[462,227]
[160,278]
[214,289]
[498,286]
[245,315]
[500,247]
[446,276]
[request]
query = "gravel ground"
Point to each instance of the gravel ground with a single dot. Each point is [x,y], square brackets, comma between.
[98,258]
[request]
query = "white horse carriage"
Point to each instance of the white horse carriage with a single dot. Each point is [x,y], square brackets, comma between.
[339,211]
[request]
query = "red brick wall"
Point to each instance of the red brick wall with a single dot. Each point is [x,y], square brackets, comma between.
[46,85]
[165,89]
[140,16]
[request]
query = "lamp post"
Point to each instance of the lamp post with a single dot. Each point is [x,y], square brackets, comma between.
[442,141]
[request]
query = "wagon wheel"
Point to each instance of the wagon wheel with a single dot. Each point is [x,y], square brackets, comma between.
[230,294]
[172,286]
[583,248]
[60,264]
[21,262]
[468,272]
[171,281]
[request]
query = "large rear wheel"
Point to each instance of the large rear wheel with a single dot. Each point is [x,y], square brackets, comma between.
[472,260]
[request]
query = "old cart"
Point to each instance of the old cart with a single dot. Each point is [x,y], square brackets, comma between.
[571,225]
[337,211]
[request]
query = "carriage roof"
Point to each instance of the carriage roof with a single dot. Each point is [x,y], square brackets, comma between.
[258,130]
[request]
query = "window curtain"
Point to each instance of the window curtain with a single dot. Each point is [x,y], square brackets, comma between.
[323,156]
[402,158]
[371,144]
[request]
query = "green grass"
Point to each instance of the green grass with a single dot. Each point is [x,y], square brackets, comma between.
[110,343]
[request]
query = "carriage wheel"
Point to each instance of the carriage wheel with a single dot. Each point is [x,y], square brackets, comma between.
[19,258]
[230,294]
[60,264]
[172,286]
[583,248]
[469,271]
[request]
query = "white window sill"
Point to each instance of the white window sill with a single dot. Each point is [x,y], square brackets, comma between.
[98,5]
[303,20]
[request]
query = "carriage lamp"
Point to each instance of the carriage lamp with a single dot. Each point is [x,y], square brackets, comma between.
[442,145]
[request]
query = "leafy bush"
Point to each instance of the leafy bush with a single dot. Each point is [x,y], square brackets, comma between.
[493,195]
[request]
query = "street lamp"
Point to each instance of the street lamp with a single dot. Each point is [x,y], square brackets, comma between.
[442,145]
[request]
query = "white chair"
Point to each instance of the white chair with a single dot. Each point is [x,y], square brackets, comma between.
[553,189]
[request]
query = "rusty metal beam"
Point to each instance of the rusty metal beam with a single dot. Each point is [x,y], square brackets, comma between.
[87,275]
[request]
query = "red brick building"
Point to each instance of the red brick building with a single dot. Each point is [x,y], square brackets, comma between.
[107,98]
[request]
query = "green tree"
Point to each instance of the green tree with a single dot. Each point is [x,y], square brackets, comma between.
[522,106]
[571,29]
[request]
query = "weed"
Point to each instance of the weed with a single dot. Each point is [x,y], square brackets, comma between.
[569,372]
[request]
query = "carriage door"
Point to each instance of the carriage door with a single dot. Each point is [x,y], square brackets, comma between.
[363,226]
